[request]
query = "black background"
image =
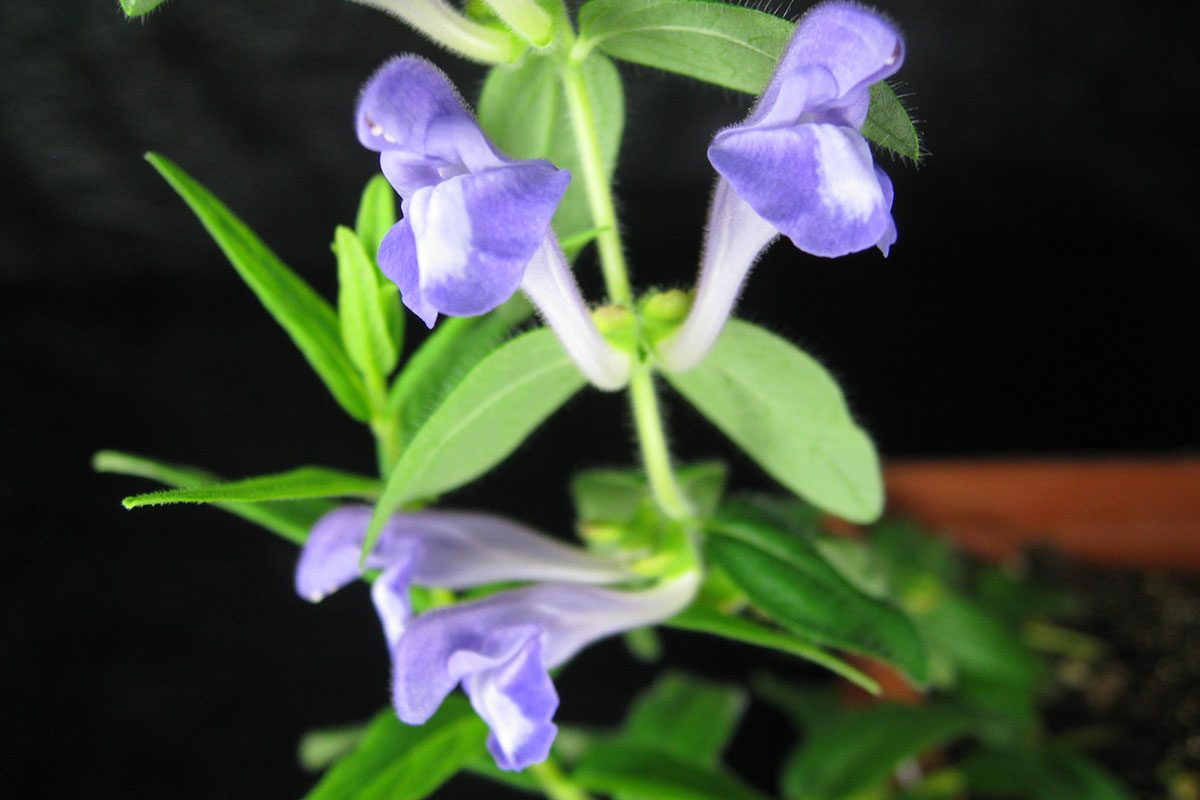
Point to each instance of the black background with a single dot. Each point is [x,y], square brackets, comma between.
[1041,300]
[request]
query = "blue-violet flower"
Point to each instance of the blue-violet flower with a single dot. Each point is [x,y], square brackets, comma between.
[475,224]
[499,648]
[798,165]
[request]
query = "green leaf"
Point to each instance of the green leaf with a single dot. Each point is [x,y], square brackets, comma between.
[454,348]
[639,771]
[889,124]
[785,576]
[318,749]
[523,109]
[722,43]
[376,216]
[500,402]
[1055,774]
[688,717]
[296,484]
[849,753]
[403,762]
[136,8]
[366,332]
[616,495]
[291,520]
[713,622]
[782,408]
[308,319]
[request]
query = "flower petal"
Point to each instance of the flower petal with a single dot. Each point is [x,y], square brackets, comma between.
[398,261]
[453,549]
[490,645]
[551,287]
[855,44]
[476,233]
[399,103]
[517,700]
[329,559]
[816,183]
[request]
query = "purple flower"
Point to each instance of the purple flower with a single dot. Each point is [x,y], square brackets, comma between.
[475,224]
[472,218]
[450,549]
[798,165]
[501,649]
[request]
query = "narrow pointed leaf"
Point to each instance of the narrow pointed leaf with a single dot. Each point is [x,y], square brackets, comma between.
[395,761]
[495,407]
[889,124]
[454,348]
[296,484]
[787,577]
[376,216]
[136,8]
[291,520]
[365,329]
[722,43]
[308,319]
[641,772]
[523,109]
[788,414]
[706,620]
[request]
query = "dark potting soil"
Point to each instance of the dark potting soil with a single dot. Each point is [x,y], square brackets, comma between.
[1134,705]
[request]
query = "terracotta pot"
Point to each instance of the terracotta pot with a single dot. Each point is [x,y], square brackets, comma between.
[1116,512]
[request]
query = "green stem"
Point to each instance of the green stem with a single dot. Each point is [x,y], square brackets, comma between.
[599,195]
[555,784]
[651,435]
[652,439]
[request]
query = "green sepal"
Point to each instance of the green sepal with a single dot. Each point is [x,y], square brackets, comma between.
[296,484]
[720,43]
[290,520]
[308,319]
[788,414]
[488,415]
[136,8]
[395,761]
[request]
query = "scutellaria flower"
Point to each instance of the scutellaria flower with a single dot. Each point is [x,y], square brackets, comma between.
[475,224]
[798,165]
[500,648]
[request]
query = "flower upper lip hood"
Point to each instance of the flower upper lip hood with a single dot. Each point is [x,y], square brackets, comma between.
[799,159]
[797,165]
[472,218]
